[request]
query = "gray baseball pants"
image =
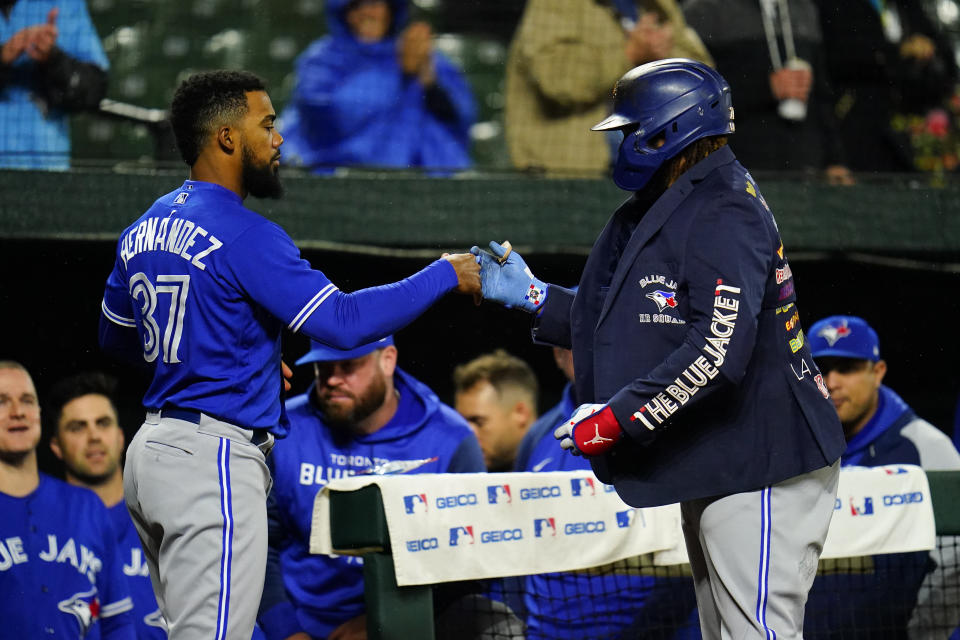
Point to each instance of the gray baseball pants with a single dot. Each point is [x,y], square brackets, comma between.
[754,555]
[196,489]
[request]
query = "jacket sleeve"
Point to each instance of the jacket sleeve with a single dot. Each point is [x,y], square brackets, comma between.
[551,326]
[450,98]
[728,258]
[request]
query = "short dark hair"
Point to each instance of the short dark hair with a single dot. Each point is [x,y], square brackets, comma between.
[502,370]
[75,386]
[206,100]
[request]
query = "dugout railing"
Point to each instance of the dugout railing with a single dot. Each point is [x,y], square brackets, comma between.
[358,522]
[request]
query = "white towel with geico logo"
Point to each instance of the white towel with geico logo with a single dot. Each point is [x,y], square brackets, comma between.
[878,510]
[447,527]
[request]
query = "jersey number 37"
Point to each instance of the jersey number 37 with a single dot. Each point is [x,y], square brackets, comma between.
[170,293]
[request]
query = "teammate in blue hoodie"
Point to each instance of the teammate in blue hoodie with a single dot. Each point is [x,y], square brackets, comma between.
[373,92]
[362,415]
[881,429]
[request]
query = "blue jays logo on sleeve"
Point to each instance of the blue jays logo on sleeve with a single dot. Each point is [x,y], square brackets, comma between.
[85,607]
[834,333]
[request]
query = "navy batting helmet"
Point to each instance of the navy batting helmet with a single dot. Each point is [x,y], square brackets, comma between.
[677,99]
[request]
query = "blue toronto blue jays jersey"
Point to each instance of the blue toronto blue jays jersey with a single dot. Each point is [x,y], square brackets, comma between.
[318,593]
[147,619]
[571,606]
[61,573]
[209,286]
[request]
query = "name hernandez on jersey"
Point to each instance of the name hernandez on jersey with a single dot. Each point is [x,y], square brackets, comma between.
[173,235]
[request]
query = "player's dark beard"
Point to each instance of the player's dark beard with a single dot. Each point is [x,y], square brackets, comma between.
[260,181]
[93,480]
[364,405]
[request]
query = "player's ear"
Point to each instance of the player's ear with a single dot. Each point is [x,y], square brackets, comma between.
[55,447]
[388,360]
[227,140]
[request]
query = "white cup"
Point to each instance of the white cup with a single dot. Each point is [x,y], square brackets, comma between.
[793,108]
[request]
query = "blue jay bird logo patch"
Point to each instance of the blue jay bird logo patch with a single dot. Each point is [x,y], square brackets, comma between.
[85,607]
[664,299]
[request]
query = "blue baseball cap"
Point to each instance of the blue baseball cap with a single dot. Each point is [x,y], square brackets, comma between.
[320,352]
[844,337]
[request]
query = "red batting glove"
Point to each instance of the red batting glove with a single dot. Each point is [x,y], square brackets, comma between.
[592,435]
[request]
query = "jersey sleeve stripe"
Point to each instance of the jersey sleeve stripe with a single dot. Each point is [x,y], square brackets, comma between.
[115,318]
[311,306]
[116,608]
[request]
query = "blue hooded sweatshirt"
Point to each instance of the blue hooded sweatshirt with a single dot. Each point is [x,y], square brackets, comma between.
[317,593]
[353,106]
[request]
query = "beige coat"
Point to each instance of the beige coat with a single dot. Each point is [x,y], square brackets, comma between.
[564,60]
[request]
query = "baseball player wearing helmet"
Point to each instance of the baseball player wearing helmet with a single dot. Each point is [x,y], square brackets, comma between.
[688,352]
[61,572]
[201,290]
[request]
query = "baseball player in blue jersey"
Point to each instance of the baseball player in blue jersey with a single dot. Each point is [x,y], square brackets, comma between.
[61,573]
[698,384]
[86,436]
[201,290]
[363,414]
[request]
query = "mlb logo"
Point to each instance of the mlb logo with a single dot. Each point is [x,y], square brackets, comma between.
[895,472]
[865,510]
[181,197]
[416,503]
[498,493]
[579,485]
[544,526]
[626,518]
[460,535]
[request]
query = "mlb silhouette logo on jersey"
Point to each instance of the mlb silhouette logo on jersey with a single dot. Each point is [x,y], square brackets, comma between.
[544,527]
[416,503]
[460,536]
[579,486]
[499,494]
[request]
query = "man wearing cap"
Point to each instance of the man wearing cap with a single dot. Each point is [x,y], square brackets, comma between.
[880,429]
[362,414]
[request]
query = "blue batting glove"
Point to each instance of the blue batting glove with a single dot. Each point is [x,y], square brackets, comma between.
[510,283]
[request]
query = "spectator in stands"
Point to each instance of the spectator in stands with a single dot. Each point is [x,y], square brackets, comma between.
[574,605]
[565,58]
[62,569]
[883,58]
[497,394]
[363,414]
[375,92]
[880,429]
[51,64]
[770,51]
[86,435]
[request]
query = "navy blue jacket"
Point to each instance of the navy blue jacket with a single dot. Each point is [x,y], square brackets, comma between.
[685,323]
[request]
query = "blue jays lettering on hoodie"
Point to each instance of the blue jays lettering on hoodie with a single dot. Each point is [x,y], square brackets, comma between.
[840,603]
[353,105]
[317,593]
